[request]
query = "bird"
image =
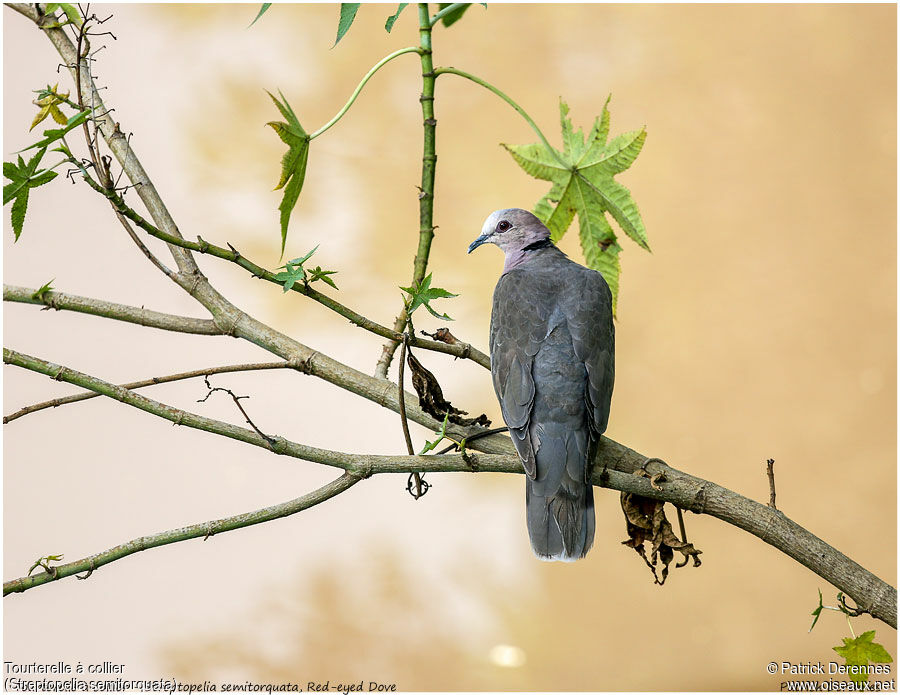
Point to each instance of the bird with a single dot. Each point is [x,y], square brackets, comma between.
[552,346]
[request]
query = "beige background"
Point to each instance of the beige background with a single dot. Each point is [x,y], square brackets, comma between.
[762,325]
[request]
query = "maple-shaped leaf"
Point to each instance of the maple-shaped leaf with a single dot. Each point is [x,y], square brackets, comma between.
[49,100]
[583,183]
[295,272]
[23,176]
[862,651]
[423,293]
[293,163]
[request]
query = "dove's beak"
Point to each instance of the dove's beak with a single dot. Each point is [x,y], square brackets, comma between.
[479,241]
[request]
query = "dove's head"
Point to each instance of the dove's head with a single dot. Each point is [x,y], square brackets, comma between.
[513,230]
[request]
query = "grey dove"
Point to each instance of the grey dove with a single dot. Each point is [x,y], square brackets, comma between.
[553,364]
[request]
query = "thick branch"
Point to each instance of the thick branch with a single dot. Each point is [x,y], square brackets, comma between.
[205,530]
[152,381]
[613,466]
[111,310]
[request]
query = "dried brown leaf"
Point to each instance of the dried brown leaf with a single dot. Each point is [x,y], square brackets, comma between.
[431,397]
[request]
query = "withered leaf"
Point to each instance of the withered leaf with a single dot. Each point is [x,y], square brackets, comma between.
[645,521]
[431,397]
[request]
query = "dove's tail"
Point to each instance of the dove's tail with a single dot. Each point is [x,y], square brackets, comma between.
[559,504]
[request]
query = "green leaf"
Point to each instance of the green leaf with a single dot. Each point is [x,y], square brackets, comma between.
[262,11]
[817,612]
[318,274]
[429,446]
[22,178]
[54,134]
[455,15]
[42,290]
[422,294]
[348,14]
[861,652]
[582,184]
[389,24]
[295,272]
[293,163]
[72,13]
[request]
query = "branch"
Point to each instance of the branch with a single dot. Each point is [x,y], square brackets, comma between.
[207,529]
[120,312]
[109,129]
[231,319]
[462,350]
[152,381]
[614,466]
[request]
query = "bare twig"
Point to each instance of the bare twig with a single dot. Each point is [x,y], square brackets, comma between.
[415,489]
[771,473]
[237,401]
[152,381]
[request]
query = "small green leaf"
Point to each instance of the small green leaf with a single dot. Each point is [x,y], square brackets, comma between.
[860,652]
[262,11]
[293,163]
[817,612]
[348,14]
[295,272]
[429,446]
[389,24]
[318,274]
[42,290]
[422,294]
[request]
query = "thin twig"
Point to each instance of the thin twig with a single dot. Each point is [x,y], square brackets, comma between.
[771,473]
[417,478]
[237,401]
[56,402]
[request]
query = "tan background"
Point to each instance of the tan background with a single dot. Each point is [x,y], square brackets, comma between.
[762,325]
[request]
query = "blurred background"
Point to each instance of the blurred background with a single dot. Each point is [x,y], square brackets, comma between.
[763,325]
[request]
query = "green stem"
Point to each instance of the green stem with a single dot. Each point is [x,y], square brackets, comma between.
[508,100]
[426,192]
[447,10]
[366,78]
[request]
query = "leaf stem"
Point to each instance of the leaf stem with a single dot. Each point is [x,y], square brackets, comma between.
[508,100]
[362,83]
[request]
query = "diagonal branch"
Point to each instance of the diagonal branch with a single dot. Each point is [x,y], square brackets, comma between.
[111,310]
[115,139]
[206,529]
[152,381]
[459,349]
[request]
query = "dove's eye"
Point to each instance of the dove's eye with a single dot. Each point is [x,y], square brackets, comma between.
[503,226]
